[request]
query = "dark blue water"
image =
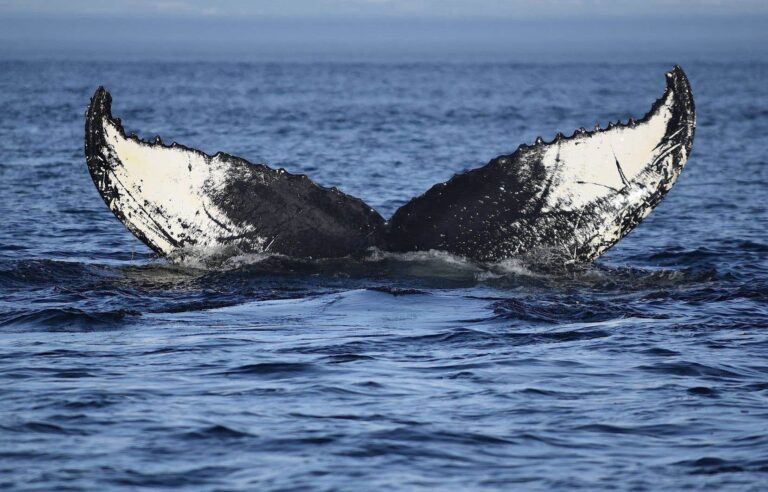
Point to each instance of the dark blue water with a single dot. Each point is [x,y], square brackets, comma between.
[648,370]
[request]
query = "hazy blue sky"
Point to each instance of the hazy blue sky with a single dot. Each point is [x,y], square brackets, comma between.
[524,30]
[390,8]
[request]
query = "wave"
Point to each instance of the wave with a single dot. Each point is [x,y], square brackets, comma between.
[216,432]
[712,465]
[435,264]
[82,296]
[22,274]
[273,370]
[193,269]
[64,319]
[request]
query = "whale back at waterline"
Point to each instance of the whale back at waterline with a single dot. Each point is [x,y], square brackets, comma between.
[571,198]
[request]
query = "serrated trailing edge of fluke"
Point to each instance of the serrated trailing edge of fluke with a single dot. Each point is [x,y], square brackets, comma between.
[676,80]
[101,106]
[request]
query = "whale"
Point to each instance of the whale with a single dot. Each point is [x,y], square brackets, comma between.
[568,199]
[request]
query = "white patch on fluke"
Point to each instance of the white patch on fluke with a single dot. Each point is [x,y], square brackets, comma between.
[590,167]
[164,192]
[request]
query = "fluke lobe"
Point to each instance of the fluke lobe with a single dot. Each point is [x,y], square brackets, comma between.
[567,200]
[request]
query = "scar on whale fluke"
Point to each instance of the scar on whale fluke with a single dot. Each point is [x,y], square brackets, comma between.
[571,198]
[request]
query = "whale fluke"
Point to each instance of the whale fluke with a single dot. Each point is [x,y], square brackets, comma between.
[573,197]
[174,197]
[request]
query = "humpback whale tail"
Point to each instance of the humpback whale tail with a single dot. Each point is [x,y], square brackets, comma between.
[173,197]
[573,196]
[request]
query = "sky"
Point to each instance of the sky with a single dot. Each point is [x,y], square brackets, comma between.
[399,30]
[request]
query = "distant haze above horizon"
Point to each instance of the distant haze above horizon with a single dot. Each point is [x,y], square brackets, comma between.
[386,30]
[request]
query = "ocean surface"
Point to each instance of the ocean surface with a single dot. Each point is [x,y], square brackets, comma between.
[119,370]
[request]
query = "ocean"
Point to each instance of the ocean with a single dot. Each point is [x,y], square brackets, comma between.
[119,370]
